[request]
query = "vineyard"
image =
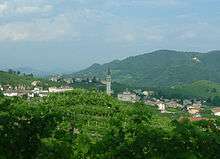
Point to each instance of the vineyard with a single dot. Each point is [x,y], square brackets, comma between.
[88,124]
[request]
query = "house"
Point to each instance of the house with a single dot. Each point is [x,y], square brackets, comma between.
[35,83]
[146,93]
[59,90]
[43,93]
[10,94]
[14,93]
[216,111]
[56,78]
[161,107]
[197,104]
[128,97]
[7,87]
[68,80]
[173,104]
[39,92]
[193,110]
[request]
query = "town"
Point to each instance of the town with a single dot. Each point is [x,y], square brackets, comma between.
[194,107]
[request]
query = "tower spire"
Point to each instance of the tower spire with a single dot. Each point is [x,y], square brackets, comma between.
[109,71]
[108,82]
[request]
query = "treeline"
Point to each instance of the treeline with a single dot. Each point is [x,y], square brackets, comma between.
[201,90]
[86,124]
[11,71]
[14,79]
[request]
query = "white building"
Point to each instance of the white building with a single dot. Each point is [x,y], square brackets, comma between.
[35,83]
[161,107]
[10,94]
[68,80]
[128,97]
[59,90]
[216,111]
[108,82]
[1,88]
[55,78]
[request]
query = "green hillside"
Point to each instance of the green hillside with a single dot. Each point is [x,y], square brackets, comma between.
[161,68]
[85,124]
[26,80]
[201,90]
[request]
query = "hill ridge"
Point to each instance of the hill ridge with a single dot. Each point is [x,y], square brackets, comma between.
[161,68]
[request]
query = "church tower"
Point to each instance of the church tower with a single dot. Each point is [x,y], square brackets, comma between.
[108,82]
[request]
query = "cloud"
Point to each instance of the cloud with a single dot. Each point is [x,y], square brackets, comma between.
[33,9]
[24,7]
[3,8]
[57,28]
[35,20]
[147,3]
[131,33]
[124,21]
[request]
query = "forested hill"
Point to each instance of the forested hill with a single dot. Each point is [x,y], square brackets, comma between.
[161,68]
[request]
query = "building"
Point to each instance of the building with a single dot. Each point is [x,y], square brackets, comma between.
[216,111]
[173,104]
[56,78]
[16,93]
[193,110]
[35,83]
[68,80]
[108,82]
[148,93]
[10,94]
[161,107]
[128,97]
[43,93]
[59,90]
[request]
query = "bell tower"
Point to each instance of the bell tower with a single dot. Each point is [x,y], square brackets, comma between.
[108,82]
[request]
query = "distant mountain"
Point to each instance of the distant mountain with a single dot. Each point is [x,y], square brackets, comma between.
[36,72]
[161,68]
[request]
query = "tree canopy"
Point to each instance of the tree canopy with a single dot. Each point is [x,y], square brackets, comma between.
[88,124]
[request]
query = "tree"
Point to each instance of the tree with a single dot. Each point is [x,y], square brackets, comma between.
[216,100]
[11,71]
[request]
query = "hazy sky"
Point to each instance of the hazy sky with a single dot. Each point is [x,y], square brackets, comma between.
[73,34]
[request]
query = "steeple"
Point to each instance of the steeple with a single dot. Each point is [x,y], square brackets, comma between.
[109,71]
[108,82]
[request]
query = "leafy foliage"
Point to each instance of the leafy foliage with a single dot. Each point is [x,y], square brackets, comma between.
[87,124]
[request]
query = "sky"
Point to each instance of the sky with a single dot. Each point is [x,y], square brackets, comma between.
[70,35]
